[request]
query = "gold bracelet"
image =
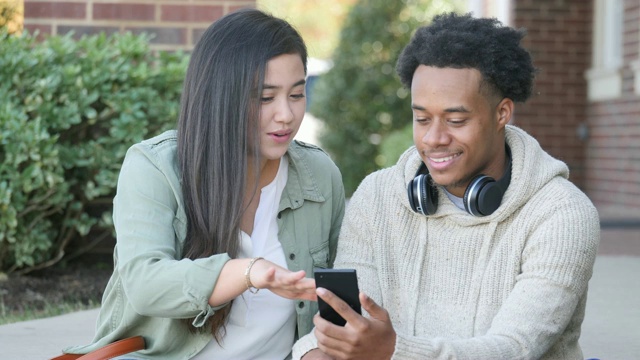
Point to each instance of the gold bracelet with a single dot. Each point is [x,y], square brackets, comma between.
[247,277]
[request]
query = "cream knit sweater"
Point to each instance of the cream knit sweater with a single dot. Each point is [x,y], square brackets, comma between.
[511,285]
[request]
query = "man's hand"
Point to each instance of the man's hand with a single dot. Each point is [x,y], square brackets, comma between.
[316,354]
[360,338]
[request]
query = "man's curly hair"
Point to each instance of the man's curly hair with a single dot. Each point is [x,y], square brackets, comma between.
[462,41]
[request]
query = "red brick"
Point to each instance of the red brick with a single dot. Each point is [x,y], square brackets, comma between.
[56,10]
[79,31]
[238,7]
[191,13]
[119,11]
[40,28]
[556,35]
[162,35]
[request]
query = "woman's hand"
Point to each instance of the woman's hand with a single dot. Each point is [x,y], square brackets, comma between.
[264,275]
[291,285]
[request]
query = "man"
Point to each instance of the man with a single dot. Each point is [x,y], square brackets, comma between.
[456,265]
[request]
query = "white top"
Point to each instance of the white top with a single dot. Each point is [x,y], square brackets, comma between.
[457,201]
[262,325]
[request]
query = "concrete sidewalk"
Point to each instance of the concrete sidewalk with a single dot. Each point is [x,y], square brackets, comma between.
[44,338]
[611,330]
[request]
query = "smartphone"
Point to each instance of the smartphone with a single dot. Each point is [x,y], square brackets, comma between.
[343,283]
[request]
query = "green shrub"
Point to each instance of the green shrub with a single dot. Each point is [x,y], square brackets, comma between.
[360,100]
[69,109]
[394,144]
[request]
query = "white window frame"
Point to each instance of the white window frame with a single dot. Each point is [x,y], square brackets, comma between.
[635,66]
[605,76]
[499,9]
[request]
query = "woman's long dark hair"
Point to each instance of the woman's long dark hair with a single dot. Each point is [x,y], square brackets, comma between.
[218,128]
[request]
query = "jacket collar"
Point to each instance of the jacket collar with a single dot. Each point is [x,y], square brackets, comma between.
[301,183]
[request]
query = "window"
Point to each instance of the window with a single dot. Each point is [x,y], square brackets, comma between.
[604,77]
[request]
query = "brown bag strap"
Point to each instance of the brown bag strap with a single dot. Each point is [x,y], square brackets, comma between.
[110,351]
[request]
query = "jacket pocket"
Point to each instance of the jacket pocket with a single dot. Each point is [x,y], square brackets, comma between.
[320,255]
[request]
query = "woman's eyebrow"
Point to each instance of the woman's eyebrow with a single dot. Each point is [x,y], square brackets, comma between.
[298,83]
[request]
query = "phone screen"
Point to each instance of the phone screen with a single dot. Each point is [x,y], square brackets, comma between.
[343,283]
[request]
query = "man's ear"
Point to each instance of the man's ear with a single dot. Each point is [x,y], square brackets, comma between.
[504,111]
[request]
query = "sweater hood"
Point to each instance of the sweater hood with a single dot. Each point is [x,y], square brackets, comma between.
[531,169]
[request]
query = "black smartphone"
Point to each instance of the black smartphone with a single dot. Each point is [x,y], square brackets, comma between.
[343,283]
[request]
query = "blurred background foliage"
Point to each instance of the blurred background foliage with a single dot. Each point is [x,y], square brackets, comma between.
[318,21]
[365,110]
[11,14]
[69,109]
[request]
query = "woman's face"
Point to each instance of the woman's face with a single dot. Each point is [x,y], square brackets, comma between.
[283,104]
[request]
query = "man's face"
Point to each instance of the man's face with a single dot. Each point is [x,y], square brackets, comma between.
[458,130]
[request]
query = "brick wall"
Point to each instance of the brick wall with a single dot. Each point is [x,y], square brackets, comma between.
[559,39]
[613,150]
[175,24]
[606,162]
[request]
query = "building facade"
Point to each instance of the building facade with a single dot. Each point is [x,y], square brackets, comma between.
[585,108]
[586,104]
[173,24]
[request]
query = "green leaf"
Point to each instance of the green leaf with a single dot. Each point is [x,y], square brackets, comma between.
[69,109]
[360,100]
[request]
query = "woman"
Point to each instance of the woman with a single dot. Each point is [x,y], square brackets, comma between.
[219,222]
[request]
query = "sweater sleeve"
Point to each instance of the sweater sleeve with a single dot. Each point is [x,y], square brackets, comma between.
[156,281]
[556,265]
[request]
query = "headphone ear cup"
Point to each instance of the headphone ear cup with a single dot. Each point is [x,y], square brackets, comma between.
[483,196]
[411,191]
[423,197]
[431,196]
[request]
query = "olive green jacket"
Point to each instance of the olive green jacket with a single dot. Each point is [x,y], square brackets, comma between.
[152,287]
